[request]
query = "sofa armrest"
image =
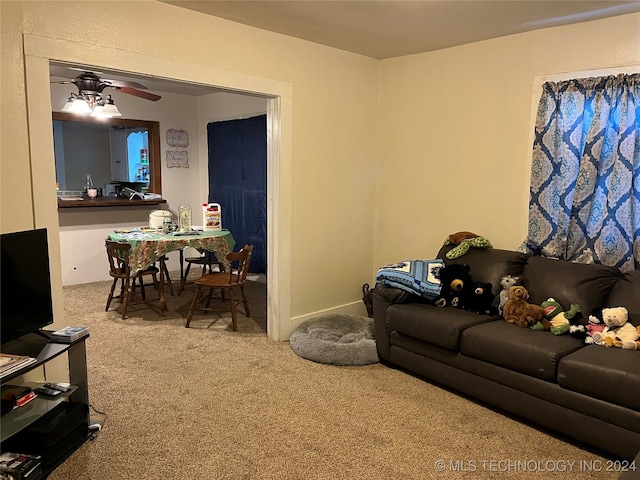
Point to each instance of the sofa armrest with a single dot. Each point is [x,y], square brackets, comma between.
[380,324]
[632,474]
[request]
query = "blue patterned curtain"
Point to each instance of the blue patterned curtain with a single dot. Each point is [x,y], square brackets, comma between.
[585,172]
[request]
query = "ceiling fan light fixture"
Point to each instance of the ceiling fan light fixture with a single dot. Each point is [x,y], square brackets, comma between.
[96,106]
[67,106]
[77,104]
[97,111]
[109,109]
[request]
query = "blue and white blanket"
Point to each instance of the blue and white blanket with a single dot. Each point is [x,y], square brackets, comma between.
[419,277]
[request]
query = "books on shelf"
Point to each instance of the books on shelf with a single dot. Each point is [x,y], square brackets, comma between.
[10,363]
[69,334]
[18,395]
[17,466]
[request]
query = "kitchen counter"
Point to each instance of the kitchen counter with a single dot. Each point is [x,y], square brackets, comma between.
[79,202]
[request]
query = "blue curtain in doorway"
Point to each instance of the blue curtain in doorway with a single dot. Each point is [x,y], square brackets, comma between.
[238,181]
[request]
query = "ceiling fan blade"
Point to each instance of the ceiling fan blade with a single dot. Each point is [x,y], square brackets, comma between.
[123,83]
[61,80]
[139,93]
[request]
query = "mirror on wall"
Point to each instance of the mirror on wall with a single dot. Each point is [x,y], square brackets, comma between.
[113,151]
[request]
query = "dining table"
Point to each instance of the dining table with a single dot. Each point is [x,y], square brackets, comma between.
[149,246]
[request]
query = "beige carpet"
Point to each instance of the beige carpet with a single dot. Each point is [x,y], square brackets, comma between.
[209,403]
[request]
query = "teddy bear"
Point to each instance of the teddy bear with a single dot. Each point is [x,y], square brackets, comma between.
[506,283]
[482,299]
[458,237]
[560,320]
[522,313]
[456,285]
[618,332]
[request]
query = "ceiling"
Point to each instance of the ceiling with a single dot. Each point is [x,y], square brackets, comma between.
[390,28]
[378,29]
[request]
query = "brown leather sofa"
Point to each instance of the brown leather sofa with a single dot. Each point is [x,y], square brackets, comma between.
[587,392]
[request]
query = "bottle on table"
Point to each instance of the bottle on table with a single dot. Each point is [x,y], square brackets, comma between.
[184,217]
[211,216]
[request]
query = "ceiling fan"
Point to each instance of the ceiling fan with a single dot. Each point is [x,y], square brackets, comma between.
[90,97]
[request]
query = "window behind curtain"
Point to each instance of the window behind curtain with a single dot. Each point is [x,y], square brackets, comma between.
[585,173]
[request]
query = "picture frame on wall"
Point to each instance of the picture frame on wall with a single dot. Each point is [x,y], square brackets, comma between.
[177,158]
[177,137]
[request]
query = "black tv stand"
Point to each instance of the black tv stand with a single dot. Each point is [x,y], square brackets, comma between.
[19,422]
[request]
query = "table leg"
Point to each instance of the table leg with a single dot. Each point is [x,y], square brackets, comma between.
[181,265]
[163,302]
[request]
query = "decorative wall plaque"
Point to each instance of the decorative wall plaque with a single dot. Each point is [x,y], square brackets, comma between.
[177,158]
[177,137]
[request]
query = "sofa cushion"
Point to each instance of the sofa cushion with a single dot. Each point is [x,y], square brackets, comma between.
[588,285]
[488,265]
[438,326]
[527,351]
[610,374]
[626,293]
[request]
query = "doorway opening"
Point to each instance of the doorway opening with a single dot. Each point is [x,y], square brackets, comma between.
[201,105]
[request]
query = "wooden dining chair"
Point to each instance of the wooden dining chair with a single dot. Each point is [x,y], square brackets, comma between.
[167,277]
[208,260]
[119,269]
[228,283]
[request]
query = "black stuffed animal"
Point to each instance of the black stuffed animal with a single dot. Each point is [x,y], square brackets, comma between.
[456,285]
[482,299]
[585,331]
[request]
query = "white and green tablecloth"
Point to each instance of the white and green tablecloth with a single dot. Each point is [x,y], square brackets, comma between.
[148,246]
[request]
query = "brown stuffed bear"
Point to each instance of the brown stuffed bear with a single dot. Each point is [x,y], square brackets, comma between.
[524,314]
[458,237]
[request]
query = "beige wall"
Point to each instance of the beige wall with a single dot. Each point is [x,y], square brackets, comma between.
[331,140]
[451,153]
[455,146]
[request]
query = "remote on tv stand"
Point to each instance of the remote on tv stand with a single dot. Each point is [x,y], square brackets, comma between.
[57,386]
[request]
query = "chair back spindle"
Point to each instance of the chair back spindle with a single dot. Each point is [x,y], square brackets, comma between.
[240,262]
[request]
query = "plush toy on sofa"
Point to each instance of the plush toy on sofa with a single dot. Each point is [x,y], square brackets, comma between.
[618,331]
[560,320]
[459,237]
[506,283]
[635,346]
[585,332]
[482,299]
[594,326]
[522,313]
[464,240]
[456,285]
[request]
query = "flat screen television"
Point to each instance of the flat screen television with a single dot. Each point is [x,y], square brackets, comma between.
[25,291]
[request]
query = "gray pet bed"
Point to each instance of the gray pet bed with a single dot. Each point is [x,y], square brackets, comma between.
[336,340]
